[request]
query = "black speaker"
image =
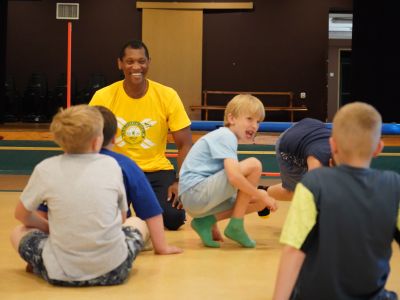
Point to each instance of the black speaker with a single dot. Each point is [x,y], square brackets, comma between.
[375,56]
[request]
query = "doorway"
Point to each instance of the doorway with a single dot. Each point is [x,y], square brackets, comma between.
[344,77]
[339,62]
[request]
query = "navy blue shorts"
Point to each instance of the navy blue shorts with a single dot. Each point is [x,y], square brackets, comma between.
[292,170]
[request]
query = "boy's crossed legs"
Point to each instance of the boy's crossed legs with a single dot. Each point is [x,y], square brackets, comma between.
[29,243]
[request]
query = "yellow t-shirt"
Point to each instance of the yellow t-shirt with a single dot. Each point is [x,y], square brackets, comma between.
[143,123]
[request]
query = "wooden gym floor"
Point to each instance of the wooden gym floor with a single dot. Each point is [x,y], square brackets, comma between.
[230,272]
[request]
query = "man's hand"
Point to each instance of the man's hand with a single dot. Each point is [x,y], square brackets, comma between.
[173,196]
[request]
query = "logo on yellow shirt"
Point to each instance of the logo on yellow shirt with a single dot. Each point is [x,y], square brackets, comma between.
[134,133]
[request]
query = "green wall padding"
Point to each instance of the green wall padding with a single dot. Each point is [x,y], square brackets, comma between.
[21,161]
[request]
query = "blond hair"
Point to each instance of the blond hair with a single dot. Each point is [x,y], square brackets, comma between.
[244,104]
[75,128]
[357,130]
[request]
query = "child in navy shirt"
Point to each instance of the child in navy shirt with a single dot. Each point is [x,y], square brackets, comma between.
[138,190]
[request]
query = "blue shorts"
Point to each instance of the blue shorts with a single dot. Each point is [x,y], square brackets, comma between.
[211,196]
[31,248]
[292,170]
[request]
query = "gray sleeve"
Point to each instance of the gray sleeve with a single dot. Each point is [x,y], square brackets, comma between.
[122,201]
[33,193]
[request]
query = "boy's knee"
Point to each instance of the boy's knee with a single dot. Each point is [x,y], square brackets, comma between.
[174,219]
[138,224]
[255,163]
[17,234]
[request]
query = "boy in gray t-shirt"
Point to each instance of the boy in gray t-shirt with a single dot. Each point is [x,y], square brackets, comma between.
[87,206]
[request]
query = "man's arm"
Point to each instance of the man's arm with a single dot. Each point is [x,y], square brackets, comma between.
[183,141]
[289,268]
[31,218]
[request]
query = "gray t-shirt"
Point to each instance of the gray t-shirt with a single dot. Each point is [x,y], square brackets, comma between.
[85,195]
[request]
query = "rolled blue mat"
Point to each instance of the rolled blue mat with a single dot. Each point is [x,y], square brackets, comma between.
[390,128]
[205,125]
[387,128]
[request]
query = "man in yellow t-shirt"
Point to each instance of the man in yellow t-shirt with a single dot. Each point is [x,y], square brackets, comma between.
[146,111]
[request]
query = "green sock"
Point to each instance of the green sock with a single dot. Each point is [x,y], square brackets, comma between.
[203,227]
[235,231]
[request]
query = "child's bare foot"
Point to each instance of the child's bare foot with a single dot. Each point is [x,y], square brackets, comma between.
[216,234]
[29,268]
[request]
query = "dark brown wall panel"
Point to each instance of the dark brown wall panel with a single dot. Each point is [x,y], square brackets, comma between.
[37,41]
[279,45]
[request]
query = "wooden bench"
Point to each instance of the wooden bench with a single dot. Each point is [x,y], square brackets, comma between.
[289,95]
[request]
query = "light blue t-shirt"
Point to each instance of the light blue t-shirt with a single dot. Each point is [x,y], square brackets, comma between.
[206,157]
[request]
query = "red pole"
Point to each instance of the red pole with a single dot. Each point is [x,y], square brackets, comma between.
[69,64]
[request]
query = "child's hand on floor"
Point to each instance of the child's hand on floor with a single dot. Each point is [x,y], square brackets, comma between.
[168,250]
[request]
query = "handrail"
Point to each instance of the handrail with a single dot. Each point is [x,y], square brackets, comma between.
[206,107]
